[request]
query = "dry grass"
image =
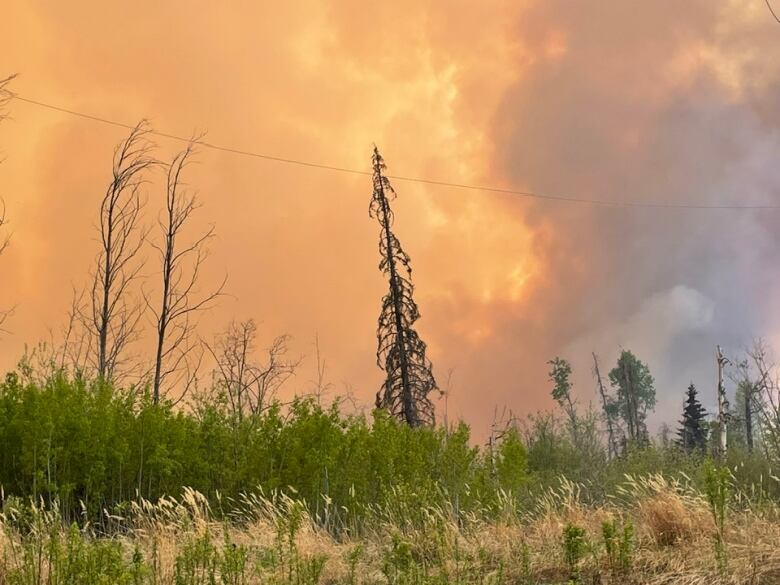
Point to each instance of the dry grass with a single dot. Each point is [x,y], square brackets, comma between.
[280,543]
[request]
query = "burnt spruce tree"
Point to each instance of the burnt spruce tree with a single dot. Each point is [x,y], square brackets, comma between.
[400,353]
[693,426]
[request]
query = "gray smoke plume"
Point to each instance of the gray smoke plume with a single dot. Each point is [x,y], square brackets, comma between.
[660,102]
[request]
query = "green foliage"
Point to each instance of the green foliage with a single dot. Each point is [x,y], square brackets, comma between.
[79,449]
[618,544]
[46,554]
[744,434]
[635,394]
[196,564]
[201,562]
[693,426]
[552,453]
[560,371]
[90,448]
[717,482]
[526,573]
[353,558]
[574,546]
[512,462]
[399,565]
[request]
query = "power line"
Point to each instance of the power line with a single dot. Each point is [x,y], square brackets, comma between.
[183,139]
[420,180]
[772,10]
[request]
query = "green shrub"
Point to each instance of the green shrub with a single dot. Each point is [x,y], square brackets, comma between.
[717,486]
[618,544]
[574,547]
[90,448]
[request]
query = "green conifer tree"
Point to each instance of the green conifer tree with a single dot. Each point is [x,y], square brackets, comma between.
[693,426]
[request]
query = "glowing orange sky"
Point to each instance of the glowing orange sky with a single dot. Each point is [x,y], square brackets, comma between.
[448,90]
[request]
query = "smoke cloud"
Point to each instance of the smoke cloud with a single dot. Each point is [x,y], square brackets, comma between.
[631,101]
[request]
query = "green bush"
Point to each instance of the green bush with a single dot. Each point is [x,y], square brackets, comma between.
[574,546]
[91,447]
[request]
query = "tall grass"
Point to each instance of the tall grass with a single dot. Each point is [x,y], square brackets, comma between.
[98,485]
[652,530]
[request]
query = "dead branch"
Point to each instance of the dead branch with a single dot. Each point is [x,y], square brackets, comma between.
[248,386]
[5,238]
[401,353]
[113,317]
[177,356]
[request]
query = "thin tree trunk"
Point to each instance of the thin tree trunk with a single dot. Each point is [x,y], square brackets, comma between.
[164,307]
[612,450]
[630,408]
[410,412]
[749,416]
[722,405]
[104,314]
[163,321]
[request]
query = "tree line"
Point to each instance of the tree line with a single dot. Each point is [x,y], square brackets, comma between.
[750,423]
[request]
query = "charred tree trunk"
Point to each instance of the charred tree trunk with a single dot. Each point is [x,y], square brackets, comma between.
[401,352]
[409,407]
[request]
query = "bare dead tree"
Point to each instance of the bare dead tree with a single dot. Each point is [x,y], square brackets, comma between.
[446,393]
[114,317]
[401,353]
[766,398]
[502,425]
[321,386]
[723,404]
[612,445]
[76,348]
[4,241]
[741,376]
[249,386]
[748,414]
[5,96]
[178,355]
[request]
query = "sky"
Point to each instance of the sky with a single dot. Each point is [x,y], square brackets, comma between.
[645,102]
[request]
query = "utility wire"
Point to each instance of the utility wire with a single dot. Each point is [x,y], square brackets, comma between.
[772,10]
[421,180]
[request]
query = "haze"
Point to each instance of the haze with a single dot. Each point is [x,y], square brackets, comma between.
[659,102]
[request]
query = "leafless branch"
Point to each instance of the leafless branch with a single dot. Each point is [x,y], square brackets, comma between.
[248,386]
[321,387]
[112,317]
[5,96]
[4,241]
[76,350]
[180,299]
[401,353]
[766,396]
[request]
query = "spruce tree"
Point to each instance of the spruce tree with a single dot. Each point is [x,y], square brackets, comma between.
[693,426]
[400,353]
